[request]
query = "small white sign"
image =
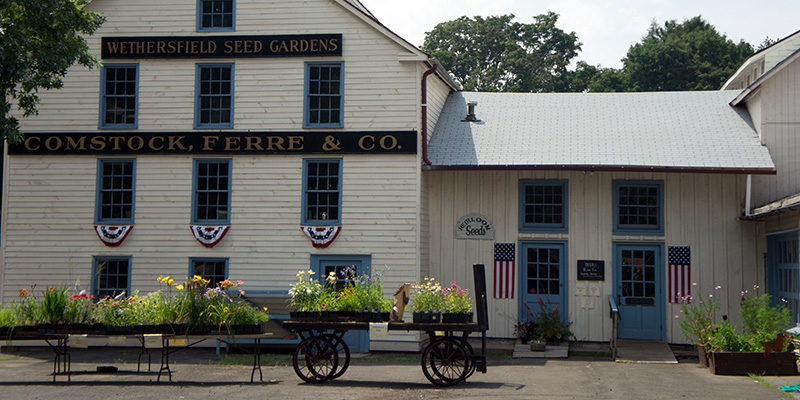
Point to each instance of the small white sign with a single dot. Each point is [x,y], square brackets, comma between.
[587,302]
[474,226]
[378,329]
[78,341]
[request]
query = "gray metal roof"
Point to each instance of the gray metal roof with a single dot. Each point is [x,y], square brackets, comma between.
[632,131]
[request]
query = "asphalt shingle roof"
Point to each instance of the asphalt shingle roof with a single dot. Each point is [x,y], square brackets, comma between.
[661,130]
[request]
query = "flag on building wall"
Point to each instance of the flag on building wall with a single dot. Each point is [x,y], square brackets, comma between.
[504,275]
[680,274]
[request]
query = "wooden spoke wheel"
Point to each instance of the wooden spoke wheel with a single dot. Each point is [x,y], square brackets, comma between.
[342,351]
[315,359]
[445,362]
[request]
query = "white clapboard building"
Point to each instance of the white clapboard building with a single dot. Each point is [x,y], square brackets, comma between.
[250,139]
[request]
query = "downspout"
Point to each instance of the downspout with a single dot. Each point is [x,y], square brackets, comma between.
[747,201]
[424,134]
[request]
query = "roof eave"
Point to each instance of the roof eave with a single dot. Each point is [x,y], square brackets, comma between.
[763,78]
[605,168]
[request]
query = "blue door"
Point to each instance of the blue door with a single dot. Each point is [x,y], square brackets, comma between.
[639,279]
[543,275]
[783,285]
[357,341]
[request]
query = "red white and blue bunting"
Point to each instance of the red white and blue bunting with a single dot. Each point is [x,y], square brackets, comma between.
[209,236]
[321,236]
[113,236]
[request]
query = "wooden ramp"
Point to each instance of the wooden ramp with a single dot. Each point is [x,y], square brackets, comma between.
[644,351]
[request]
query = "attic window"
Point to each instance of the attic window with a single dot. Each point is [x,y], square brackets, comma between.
[215,15]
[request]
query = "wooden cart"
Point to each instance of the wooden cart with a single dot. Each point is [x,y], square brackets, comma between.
[447,360]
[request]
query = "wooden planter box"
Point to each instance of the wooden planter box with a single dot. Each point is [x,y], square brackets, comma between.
[743,363]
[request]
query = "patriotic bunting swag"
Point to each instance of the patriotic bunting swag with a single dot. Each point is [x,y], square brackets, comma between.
[321,236]
[680,273]
[504,274]
[209,236]
[113,236]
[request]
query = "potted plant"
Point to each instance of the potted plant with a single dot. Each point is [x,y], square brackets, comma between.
[457,305]
[304,295]
[549,326]
[427,301]
[525,327]
[762,347]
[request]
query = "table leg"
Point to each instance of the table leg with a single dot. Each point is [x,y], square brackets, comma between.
[164,360]
[257,362]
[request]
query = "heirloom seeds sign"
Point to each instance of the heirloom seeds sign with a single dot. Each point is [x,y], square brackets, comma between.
[222,46]
[474,226]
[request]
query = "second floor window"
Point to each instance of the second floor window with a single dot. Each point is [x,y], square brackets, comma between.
[115,191]
[543,205]
[322,192]
[119,89]
[215,15]
[212,192]
[324,101]
[638,207]
[214,98]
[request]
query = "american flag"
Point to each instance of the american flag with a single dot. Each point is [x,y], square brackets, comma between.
[680,274]
[504,275]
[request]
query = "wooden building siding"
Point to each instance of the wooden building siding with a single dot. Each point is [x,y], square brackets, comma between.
[50,239]
[700,211]
[778,103]
[380,93]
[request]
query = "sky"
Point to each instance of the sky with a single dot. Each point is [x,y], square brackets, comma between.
[606,28]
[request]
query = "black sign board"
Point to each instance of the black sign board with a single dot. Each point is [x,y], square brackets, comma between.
[313,45]
[591,270]
[402,142]
[639,301]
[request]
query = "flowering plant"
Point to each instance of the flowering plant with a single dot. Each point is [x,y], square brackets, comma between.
[427,296]
[305,292]
[456,299]
[549,325]
[697,318]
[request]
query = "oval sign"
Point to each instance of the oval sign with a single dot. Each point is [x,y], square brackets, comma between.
[474,226]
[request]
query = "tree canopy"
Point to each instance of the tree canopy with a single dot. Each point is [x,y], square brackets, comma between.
[39,41]
[690,55]
[496,54]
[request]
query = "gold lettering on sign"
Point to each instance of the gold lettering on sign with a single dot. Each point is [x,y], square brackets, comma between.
[97,143]
[175,141]
[116,140]
[392,142]
[253,143]
[138,145]
[161,46]
[295,143]
[275,142]
[208,141]
[29,143]
[231,143]
[79,145]
[371,141]
[49,143]
[152,143]
[331,143]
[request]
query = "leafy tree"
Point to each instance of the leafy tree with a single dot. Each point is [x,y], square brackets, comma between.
[39,41]
[496,54]
[690,55]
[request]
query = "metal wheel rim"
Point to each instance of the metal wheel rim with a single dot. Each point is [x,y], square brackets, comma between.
[342,350]
[315,360]
[445,362]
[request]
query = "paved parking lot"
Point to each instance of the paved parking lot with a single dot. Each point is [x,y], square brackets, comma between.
[200,374]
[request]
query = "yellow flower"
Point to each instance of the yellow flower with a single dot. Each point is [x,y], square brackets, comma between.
[160,278]
[179,287]
[265,309]
[168,281]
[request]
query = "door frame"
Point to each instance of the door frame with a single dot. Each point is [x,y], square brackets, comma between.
[564,277]
[773,278]
[660,296]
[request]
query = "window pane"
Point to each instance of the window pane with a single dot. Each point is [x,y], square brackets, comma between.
[216,14]
[322,191]
[544,205]
[119,95]
[215,95]
[115,191]
[212,193]
[324,97]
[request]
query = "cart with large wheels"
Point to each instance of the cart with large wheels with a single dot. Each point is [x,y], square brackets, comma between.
[447,360]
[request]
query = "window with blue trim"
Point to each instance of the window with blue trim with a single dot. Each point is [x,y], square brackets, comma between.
[324,100]
[543,205]
[638,207]
[215,15]
[119,88]
[212,191]
[115,191]
[322,191]
[214,99]
[213,269]
[111,276]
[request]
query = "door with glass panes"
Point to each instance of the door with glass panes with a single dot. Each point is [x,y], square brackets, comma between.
[543,275]
[639,281]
